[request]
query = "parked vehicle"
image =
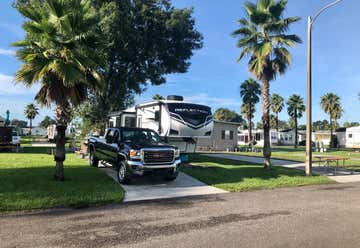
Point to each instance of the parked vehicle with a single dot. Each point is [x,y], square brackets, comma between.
[134,151]
[9,139]
[181,123]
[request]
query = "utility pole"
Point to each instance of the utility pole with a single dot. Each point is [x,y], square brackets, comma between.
[311,21]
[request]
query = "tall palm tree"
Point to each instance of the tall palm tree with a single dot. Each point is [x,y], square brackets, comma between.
[248,112]
[249,92]
[263,38]
[331,105]
[58,52]
[30,112]
[295,109]
[277,105]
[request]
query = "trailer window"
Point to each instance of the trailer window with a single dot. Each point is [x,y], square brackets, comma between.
[222,134]
[130,121]
[231,135]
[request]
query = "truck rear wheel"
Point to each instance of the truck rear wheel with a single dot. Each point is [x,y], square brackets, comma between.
[93,160]
[122,173]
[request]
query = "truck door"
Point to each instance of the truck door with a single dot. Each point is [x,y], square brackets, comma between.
[113,148]
[105,146]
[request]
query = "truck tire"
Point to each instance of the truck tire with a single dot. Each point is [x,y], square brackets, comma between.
[172,176]
[122,173]
[93,160]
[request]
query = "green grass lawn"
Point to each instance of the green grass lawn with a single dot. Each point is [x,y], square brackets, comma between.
[26,182]
[298,154]
[243,176]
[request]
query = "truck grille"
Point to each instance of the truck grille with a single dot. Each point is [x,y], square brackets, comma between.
[158,156]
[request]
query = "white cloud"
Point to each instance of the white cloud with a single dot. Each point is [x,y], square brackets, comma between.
[7,52]
[8,87]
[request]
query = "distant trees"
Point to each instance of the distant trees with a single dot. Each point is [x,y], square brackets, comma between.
[320,125]
[331,105]
[30,112]
[277,105]
[158,97]
[18,123]
[250,94]
[263,38]
[351,124]
[224,114]
[295,109]
[47,121]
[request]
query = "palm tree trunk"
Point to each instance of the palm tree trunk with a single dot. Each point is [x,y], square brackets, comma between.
[250,130]
[266,122]
[296,130]
[30,125]
[331,133]
[277,128]
[59,157]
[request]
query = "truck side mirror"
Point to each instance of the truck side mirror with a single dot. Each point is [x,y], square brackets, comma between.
[108,139]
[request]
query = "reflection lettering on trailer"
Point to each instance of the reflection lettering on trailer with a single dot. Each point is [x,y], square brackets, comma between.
[190,113]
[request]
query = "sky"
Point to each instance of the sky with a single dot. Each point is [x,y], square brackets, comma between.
[214,76]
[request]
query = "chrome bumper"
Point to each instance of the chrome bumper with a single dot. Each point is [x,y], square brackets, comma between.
[140,165]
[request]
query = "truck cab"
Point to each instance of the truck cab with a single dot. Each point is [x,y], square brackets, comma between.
[134,151]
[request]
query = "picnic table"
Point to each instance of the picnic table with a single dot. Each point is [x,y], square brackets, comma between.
[326,160]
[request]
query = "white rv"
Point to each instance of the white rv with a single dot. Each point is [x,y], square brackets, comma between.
[178,121]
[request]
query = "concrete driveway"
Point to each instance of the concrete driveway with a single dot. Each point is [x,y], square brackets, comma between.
[154,187]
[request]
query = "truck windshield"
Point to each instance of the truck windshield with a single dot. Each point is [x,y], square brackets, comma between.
[140,136]
[193,114]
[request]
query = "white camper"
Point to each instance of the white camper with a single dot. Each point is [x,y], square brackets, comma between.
[181,123]
[353,137]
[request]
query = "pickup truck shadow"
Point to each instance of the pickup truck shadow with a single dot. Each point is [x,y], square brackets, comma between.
[155,179]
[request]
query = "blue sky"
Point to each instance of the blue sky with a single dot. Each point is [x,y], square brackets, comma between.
[214,77]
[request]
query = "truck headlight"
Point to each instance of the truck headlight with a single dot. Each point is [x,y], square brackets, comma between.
[177,153]
[134,153]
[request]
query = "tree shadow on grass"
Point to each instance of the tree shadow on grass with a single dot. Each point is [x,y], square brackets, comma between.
[223,171]
[34,187]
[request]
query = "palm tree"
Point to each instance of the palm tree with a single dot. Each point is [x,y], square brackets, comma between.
[277,105]
[262,37]
[331,105]
[58,52]
[248,112]
[31,111]
[295,109]
[249,92]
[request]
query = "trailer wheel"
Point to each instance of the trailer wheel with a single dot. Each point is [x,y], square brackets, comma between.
[93,160]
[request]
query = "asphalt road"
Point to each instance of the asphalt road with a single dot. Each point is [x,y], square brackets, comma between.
[313,216]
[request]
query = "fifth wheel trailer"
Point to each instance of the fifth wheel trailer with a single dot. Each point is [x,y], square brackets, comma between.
[179,122]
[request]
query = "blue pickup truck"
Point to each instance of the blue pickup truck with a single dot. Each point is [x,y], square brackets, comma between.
[134,151]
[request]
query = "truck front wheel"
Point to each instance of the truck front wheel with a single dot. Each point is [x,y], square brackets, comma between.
[122,173]
[171,176]
[93,159]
